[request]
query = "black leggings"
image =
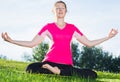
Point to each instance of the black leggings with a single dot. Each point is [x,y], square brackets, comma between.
[65,70]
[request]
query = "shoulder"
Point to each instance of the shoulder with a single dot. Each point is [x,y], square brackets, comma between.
[75,29]
[72,26]
[47,25]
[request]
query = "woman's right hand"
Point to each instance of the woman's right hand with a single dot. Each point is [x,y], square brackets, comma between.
[6,37]
[35,41]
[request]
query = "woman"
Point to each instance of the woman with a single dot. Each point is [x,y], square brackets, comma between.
[58,59]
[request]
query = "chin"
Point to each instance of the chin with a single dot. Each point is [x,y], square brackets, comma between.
[61,16]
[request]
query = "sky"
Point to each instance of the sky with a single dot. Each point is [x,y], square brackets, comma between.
[23,19]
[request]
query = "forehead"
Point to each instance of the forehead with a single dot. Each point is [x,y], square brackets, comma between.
[59,5]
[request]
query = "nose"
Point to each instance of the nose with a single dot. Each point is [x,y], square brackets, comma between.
[60,9]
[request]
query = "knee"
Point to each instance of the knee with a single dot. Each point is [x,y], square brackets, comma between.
[29,68]
[92,74]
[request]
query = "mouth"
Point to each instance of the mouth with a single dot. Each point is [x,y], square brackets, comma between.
[60,13]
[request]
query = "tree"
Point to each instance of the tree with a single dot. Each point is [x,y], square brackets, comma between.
[40,51]
[95,58]
[27,57]
[88,57]
[115,65]
[3,57]
[75,53]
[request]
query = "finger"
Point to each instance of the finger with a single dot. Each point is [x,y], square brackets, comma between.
[2,35]
[115,31]
[6,34]
[111,32]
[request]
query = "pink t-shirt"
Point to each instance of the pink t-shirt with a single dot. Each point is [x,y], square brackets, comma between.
[60,51]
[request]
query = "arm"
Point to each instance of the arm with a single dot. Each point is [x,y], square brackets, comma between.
[83,39]
[36,40]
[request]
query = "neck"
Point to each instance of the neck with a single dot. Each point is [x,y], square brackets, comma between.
[60,22]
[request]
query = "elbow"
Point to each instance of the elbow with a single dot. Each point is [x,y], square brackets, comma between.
[29,46]
[32,45]
[89,45]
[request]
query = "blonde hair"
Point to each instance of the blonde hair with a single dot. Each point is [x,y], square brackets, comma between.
[62,3]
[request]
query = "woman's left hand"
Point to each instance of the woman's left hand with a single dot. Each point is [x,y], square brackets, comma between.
[112,33]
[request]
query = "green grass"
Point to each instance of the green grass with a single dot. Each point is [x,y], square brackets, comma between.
[13,71]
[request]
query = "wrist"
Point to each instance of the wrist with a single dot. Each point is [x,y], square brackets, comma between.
[11,41]
[107,38]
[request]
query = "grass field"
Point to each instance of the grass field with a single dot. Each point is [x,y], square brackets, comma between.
[13,71]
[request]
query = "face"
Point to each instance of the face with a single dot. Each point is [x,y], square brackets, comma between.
[59,10]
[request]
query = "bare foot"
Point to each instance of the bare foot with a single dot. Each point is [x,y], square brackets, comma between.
[55,70]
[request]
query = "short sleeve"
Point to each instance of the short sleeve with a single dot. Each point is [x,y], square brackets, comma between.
[77,30]
[44,28]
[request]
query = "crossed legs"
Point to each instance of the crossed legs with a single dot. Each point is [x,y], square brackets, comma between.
[49,68]
[60,69]
[54,70]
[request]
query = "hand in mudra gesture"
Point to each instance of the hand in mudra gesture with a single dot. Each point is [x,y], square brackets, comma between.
[6,37]
[112,33]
